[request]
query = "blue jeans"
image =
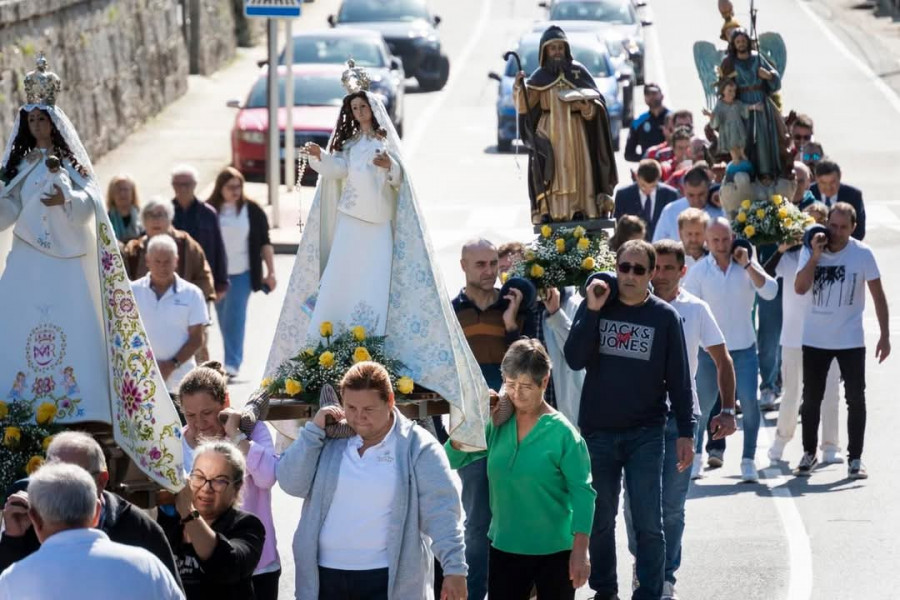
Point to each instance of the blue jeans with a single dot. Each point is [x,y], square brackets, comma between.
[639,452]
[232,311]
[476,501]
[768,338]
[746,371]
[674,494]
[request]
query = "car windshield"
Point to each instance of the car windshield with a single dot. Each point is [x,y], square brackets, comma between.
[359,11]
[308,91]
[336,50]
[609,11]
[594,61]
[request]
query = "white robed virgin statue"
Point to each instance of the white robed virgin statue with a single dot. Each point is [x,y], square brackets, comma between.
[71,333]
[365,259]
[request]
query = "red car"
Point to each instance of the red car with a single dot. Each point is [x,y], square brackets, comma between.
[318,94]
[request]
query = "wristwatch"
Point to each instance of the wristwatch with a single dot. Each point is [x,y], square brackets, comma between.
[194,514]
[239,437]
[728,411]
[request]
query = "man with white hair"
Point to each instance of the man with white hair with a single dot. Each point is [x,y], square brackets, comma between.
[123,522]
[201,222]
[173,311]
[75,559]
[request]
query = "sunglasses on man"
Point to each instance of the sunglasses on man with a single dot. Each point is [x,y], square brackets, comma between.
[628,268]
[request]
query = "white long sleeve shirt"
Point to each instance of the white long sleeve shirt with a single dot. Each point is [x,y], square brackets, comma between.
[731,295]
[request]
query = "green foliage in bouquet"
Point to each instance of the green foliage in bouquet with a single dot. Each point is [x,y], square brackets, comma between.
[303,376]
[774,220]
[563,257]
[26,435]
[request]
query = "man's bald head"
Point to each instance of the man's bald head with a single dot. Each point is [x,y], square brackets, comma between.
[480,262]
[477,244]
[719,237]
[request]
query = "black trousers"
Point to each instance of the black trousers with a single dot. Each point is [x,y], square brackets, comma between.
[513,576]
[336,584]
[265,585]
[852,363]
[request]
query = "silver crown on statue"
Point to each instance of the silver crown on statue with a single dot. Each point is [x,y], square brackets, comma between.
[355,79]
[41,85]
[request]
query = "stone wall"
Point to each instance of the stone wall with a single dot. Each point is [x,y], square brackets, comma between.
[120,61]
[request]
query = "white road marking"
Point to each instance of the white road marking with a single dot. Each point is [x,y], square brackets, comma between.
[457,70]
[889,94]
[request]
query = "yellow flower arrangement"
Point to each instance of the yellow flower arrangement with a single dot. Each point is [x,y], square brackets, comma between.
[292,387]
[326,359]
[746,204]
[579,232]
[405,385]
[326,329]
[742,217]
[4,410]
[749,231]
[11,436]
[768,220]
[588,263]
[546,231]
[537,271]
[46,412]
[760,213]
[34,463]
[361,355]
[560,246]
[359,333]
[782,213]
[583,243]
[45,443]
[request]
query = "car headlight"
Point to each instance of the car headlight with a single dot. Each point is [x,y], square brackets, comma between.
[252,137]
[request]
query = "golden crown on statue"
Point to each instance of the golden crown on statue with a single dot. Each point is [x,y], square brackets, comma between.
[41,85]
[355,79]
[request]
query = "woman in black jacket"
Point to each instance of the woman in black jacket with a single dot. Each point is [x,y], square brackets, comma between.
[245,231]
[216,546]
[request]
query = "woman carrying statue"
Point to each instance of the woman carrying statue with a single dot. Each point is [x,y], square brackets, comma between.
[72,336]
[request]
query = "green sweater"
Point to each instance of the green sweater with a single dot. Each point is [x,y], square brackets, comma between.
[541,493]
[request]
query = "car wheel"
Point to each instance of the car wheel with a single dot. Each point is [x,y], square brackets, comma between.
[503,145]
[433,83]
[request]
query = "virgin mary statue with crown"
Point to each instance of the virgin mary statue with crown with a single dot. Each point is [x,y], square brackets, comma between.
[71,334]
[365,260]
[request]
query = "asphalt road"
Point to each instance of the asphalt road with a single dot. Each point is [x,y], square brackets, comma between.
[825,537]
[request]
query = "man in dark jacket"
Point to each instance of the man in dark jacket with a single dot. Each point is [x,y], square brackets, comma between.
[119,519]
[829,190]
[632,347]
[647,197]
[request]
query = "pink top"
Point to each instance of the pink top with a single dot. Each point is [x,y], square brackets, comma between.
[256,495]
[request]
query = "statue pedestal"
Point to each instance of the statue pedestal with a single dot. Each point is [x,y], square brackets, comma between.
[593,226]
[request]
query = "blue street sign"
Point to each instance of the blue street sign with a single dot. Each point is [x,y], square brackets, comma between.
[272,9]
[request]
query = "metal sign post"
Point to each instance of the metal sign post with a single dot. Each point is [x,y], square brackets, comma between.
[273,161]
[290,161]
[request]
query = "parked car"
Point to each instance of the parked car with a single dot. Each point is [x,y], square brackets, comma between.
[620,14]
[318,95]
[586,49]
[368,49]
[410,31]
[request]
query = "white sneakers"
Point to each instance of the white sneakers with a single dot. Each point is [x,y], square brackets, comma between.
[697,468]
[748,471]
[832,456]
[777,450]
[668,592]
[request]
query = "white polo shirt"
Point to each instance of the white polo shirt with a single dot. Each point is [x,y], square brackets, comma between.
[731,295]
[667,226]
[700,331]
[167,320]
[354,536]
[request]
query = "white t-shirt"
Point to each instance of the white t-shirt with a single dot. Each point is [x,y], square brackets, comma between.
[793,304]
[354,536]
[700,331]
[834,315]
[235,228]
[168,319]
[667,226]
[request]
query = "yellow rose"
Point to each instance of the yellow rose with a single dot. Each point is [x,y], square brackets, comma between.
[560,246]
[749,231]
[782,213]
[579,232]
[45,413]
[265,383]
[788,222]
[583,243]
[325,329]
[292,387]
[546,230]
[34,463]
[361,354]
[588,263]
[11,436]
[4,410]
[359,333]
[45,443]
[537,271]
[504,276]
[745,205]
[777,200]
[760,213]
[326,359]
[741,217]
[405,385]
